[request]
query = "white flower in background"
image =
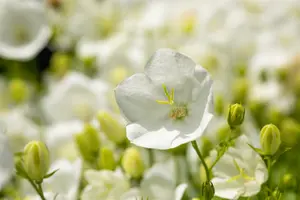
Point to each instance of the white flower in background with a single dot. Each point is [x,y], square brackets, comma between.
[6,160]
[159,182]
[240,172]
[64,183]
[105,184]
[169,104]
[75,97]
[59,138]
[24,29]
[18,128]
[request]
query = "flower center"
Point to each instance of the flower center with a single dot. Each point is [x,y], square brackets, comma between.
[242,174]
[178,111]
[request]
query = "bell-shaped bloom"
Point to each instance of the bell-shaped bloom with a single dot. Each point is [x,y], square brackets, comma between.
[24,29]
[240,172]
[170,104]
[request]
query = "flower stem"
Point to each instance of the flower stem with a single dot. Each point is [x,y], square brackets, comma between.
[38,188]
[207,171]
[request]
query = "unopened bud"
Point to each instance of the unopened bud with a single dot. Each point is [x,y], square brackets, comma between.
[219,105]
[36,160]
[113,129]
[290,132]
[270,139]
[88,143]
[132,162]
[208,190]
[240,90]
[107,160]
[60,64]
[289,181]
[18,90]
[236,115]
[118,74]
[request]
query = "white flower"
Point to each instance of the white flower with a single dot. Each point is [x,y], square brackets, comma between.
[24,29]
[64,183]
[18,128]
[75,97]
[6,161]
[105,184]
[169,104]
[240,172]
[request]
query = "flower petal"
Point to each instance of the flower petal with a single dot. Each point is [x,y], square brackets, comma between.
[6,161]
[137,99]
[251,188]
[169,67]
[226,189]
[179,191]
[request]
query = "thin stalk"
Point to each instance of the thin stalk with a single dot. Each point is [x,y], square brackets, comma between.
[207,171]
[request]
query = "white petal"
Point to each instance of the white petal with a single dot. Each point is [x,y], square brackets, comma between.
[6,161]
[229,190]
[179,192]
[169,67]
[136,97]
[251,188]
[225,167]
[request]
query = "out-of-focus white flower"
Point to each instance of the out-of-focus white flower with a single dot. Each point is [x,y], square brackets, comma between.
[240,172]
[6,160]
[24,29]
[168,105]
[159,183]
[19,129]
[105,184]
[75,97]
[64,183]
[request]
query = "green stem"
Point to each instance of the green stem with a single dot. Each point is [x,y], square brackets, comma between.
[41,191]
[269,165]
[151,157]
[207,171]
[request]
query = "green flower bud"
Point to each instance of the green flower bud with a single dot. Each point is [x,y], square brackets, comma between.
[132,162]
[270,139]
[240,90]
[290,132]
[219,105]
[113,129]
[118,74]
[202,172]
[208,190]
[89,61]
[289,181]
[236,115]
[18,90]
[195,198]
[60,64]
[36,160]
[88,143]
[282,74]
[107,160]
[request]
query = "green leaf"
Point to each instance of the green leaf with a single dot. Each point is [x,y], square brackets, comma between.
[50,174]
[257,150]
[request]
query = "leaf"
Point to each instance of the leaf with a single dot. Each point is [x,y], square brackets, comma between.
[257,150]
[50,174]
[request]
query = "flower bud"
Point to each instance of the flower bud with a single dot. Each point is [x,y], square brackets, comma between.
[107,160]
[132,162]
[240,90]
[270,139]
[36,160]
[113,129]
[289,181]
[18,90]
[88,143]
[290,132]
[219,105]
[118,74]
[208,190]
[236,115]
[60,64]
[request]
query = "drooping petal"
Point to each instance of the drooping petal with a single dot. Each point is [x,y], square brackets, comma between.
[137,98]
[169,67]
[179,191]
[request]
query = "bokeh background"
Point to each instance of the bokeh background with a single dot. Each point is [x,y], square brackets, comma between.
[61,59]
